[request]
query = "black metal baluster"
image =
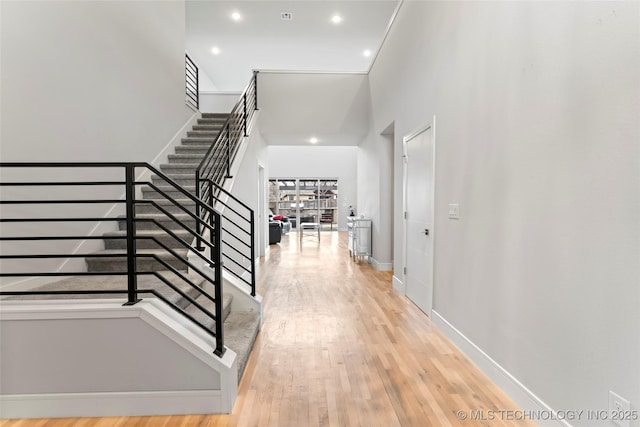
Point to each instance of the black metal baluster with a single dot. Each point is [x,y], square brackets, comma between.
[229,151]
[255,89]
[132,274]
[245,118]
[253,254]
[198,215]
[217,260]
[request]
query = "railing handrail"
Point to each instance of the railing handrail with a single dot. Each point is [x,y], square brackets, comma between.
[210,222]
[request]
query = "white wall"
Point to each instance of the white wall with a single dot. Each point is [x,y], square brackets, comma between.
[296,106]
[375,194]
[320,162]
[245,184]
[89,81]
[218,102]
[537,132]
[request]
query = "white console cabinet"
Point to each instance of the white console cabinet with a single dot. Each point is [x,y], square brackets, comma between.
[359,236]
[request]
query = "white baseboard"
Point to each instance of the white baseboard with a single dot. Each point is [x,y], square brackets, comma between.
[398,285]
[65,405]
[518,392]
[381,266]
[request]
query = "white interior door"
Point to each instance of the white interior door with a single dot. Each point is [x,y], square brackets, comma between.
[418,190]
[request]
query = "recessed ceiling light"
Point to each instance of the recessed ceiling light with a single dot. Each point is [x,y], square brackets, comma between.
[313,140]
[336,19]
[236,16]
[215,50]
[367,53]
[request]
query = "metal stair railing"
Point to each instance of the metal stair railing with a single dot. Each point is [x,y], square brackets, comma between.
[215,168]
[238,234]
[209,233]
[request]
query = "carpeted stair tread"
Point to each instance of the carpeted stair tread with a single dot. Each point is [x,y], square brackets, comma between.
[198,140]
[209,305]
[215,115]
[117,239]
[157,220]
[240,331]
[208,126]
[193,148]
[103,283]
[118,261]
[208,133]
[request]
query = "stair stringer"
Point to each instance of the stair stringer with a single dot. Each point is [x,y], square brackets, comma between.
[165,331]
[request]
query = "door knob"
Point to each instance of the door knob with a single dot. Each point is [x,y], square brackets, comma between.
[426,231]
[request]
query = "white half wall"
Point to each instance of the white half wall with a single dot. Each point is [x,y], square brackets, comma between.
[319,162]
[537,107]
[100,358]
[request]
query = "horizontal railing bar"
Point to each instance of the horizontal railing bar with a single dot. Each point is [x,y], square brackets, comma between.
[233,261]
[238,226]
[69,292]
[49,256]
[219,187]
[174,219]
[229,245]
[59,183]
[187,297]
[37,238]
[187,245]
[57,273]
[58,202]
[191,268]
[236,237]
[71,164]
[232,210]
[239,266]
[239,277]
[58,219]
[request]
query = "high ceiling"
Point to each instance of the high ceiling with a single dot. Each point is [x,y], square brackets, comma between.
[261,39]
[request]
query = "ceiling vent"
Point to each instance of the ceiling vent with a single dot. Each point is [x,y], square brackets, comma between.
[286,16]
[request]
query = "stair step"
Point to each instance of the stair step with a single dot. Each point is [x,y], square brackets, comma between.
[197,140]
[209,127]
[215,115]
[179,178]
[118,263]
[117,239]
[146,208]
[179,168]
[186,157]
[240,331]
[167,191]
[212,121]
[209,305]
[144,222]
[207,133]
[98,283]
[193,148]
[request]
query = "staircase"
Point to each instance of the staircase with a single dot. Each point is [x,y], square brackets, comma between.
[155,227]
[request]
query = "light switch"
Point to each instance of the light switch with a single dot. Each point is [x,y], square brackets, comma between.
[454,211]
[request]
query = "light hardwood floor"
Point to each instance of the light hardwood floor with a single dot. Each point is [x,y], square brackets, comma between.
[339,347]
